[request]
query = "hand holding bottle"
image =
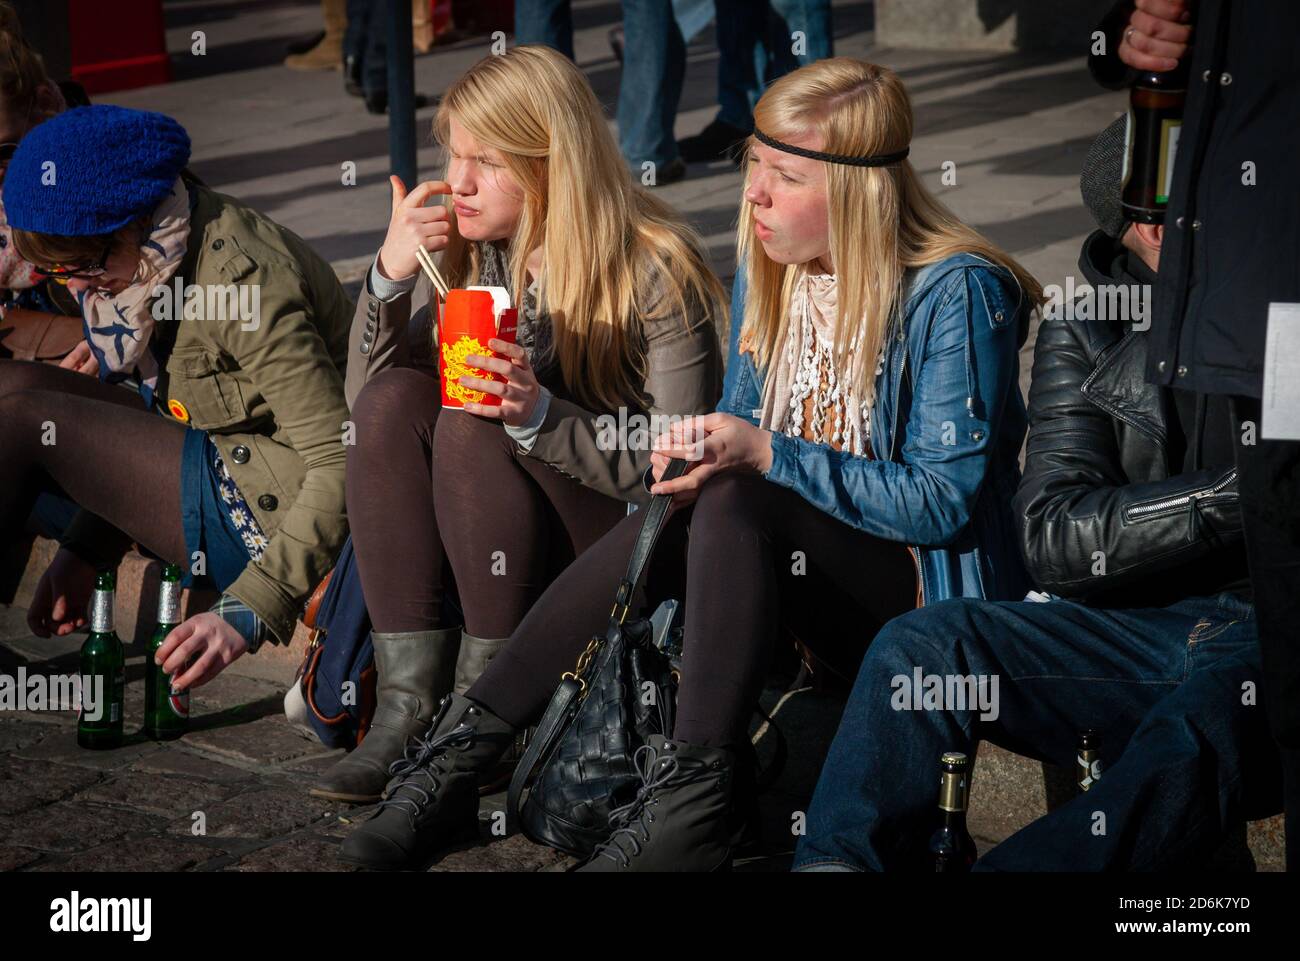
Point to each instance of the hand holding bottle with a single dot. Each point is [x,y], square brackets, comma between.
[1157,35]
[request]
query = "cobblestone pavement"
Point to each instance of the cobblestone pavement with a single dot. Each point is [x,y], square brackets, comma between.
[231,795]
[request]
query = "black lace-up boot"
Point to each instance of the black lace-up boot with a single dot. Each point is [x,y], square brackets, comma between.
[432,799]
[679,819]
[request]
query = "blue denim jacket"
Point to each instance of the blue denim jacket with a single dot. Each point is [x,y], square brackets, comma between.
[946,430]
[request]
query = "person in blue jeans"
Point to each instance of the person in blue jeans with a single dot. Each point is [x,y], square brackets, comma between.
[654,64]
[1130,518]
[758,41]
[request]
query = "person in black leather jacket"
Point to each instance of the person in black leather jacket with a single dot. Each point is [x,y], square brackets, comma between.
[1230,278]
[1146,635]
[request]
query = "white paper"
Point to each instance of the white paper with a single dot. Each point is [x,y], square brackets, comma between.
[1280,419]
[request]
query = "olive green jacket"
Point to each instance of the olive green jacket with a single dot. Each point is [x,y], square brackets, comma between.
[269,392]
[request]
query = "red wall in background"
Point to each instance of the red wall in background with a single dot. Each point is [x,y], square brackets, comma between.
[117,44]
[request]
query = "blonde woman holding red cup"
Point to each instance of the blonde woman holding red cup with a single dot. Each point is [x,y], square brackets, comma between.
[617,317]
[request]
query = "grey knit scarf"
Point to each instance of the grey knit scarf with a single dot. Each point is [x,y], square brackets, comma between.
[534,331]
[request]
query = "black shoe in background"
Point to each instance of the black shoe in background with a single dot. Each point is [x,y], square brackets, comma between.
[616,42]
[306,43]
[352,76]
[717,141]
[378,102]
[672,171]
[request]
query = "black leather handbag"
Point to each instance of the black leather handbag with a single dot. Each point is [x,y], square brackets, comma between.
[578,765]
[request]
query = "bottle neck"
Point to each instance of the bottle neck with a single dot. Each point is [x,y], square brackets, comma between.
[169,602]
[953,795]
[101,612]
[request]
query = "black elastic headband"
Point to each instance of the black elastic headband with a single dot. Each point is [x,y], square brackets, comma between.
[880,160]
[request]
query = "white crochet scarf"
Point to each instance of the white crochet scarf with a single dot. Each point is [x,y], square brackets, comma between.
[806,367]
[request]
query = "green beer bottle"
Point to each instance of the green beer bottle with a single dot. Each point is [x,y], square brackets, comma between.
[166,713]
[103,672]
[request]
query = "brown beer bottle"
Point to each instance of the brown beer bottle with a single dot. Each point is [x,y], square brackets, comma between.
[951,847]
[1089,760]
[1155,120]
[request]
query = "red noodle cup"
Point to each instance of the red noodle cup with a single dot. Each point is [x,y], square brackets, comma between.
[470,318]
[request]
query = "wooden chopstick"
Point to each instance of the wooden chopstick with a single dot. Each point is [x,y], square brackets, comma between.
[431,269]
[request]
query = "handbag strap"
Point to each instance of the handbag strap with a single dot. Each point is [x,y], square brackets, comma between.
[656,512]
[549,729]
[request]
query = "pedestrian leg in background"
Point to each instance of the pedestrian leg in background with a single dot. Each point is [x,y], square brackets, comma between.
[654,63]
[1269,484]
[545,21]
[758,42]
[354,44]
[328,54]
[374,67]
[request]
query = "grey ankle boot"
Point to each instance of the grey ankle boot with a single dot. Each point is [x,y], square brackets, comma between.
[679,819]
[415,671]
[432,800]
[475,653]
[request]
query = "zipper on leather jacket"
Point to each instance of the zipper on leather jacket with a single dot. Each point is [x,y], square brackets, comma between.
[920,578]
[1182,500]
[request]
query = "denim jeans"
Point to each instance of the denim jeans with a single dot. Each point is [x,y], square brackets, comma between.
[366,39]
[1171,692]
[654,64]
[756,45]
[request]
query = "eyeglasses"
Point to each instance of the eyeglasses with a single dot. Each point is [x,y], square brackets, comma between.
[62,273]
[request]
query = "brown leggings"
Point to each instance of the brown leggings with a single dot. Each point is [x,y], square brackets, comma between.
[428,491]
[108,454]
[737,568]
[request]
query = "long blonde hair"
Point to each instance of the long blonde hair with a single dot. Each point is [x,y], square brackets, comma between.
[882,219]
[603,236]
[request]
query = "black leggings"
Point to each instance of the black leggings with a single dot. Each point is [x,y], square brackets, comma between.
[69,434]
[747,556]
[428,491]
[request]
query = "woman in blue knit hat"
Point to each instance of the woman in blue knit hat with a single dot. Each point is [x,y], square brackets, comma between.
[235,334]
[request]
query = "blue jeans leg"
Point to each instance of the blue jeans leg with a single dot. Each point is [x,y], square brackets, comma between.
[374,75]
[1200,761]
[545,21]
[654,64]
[1060,668]
[757,45]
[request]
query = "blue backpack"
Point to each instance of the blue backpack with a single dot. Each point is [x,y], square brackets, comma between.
[337,674]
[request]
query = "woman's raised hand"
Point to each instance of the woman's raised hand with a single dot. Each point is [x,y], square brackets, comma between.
[413,224]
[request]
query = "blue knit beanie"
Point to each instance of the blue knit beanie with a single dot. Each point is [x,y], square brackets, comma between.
[110,165]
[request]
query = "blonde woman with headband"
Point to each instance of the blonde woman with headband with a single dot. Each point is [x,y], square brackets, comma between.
[862,462]
[617,313]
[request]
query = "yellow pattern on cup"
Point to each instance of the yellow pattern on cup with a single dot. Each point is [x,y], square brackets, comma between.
[453,355]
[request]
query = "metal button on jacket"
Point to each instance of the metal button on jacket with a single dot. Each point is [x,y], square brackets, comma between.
[240,454]
[218,244]
[268,502]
